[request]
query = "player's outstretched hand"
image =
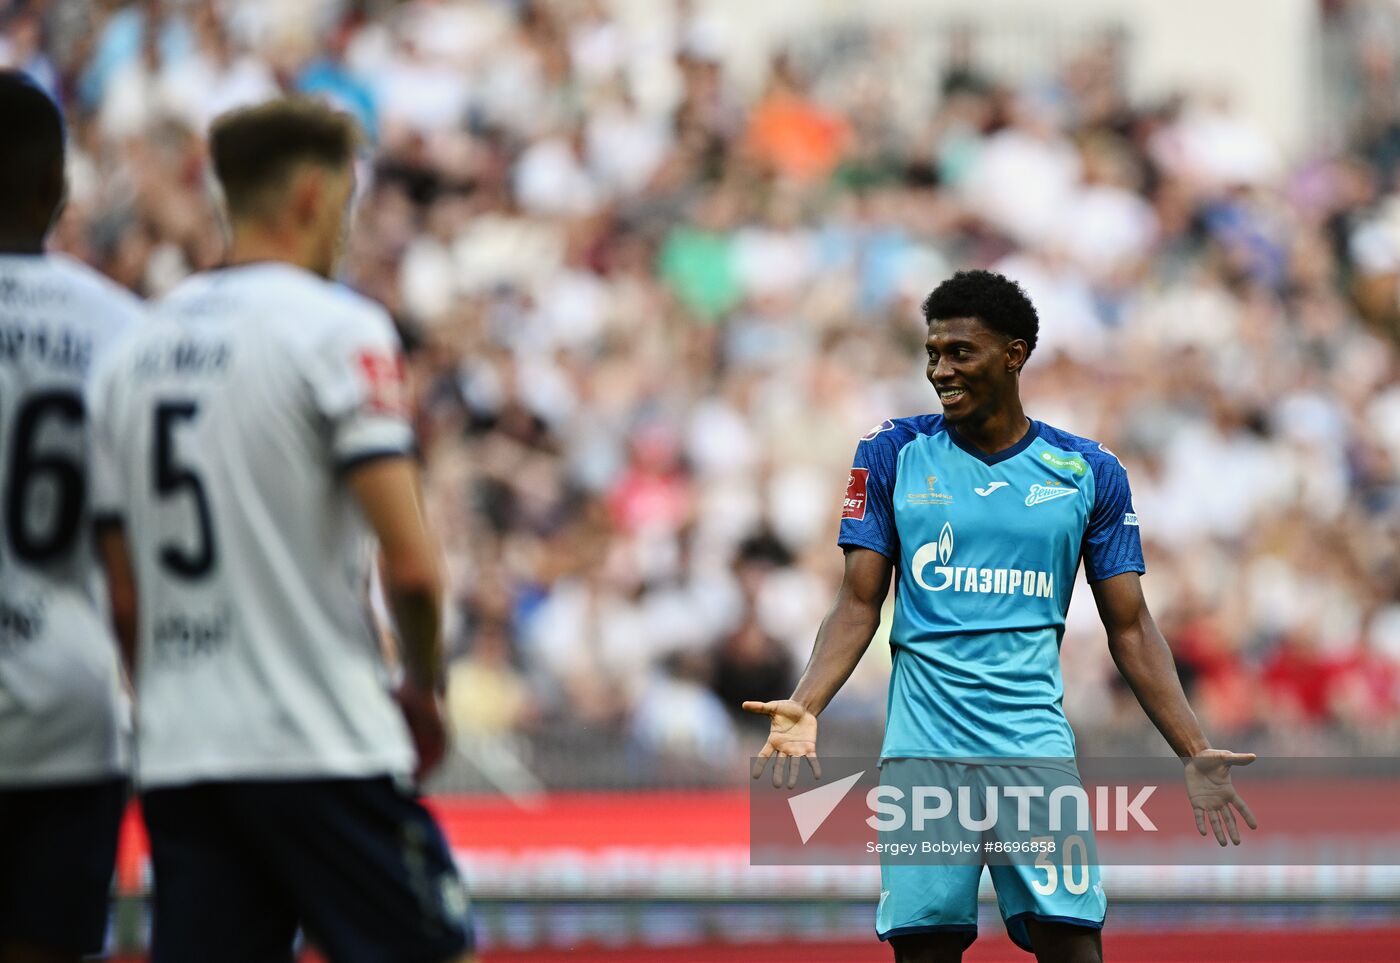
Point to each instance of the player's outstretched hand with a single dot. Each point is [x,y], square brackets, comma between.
[793,735]
[1212,794]
[422,710]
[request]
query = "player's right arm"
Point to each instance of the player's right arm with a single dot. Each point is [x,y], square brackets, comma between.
[844,636]
[389,494]
[871,541]
[357,378]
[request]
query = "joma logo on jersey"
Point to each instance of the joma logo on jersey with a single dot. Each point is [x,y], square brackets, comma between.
[1030,582]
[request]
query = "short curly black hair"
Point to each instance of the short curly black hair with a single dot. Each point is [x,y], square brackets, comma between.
[994,299]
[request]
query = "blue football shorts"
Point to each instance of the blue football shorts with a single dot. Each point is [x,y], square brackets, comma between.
[1043,865]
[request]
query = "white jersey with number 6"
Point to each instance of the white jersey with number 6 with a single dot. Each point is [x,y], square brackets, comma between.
[223,433]
[64,714]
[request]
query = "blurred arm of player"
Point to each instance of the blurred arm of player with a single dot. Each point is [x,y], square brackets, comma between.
[389,495]
[844,636]
[121,587]
[1146,663]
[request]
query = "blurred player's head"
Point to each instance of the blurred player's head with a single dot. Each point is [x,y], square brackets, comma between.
[31,163]
[981,330]
[287,169]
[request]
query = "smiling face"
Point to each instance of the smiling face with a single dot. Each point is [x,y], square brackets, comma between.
[973,368]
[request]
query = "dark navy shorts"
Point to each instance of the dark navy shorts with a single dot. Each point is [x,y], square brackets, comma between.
[57,848]
[357,864]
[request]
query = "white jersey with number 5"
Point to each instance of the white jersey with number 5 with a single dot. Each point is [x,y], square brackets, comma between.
[64,714]
[223,433]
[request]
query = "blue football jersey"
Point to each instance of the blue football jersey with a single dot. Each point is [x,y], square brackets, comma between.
[985,550]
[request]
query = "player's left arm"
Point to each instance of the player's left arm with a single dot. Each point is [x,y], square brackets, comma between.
[1113,561]
[1146,663]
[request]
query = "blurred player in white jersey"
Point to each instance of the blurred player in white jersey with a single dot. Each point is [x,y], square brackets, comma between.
[63,711]
[253,439]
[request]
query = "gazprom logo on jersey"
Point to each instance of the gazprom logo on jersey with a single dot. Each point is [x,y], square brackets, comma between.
[985,581]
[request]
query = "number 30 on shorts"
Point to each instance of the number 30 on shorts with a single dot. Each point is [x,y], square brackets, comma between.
[1076,867]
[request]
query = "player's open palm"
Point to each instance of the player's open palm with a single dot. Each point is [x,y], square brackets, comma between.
[791,736]
[1213,796]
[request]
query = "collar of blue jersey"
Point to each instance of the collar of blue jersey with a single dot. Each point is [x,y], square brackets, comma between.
[1032,433]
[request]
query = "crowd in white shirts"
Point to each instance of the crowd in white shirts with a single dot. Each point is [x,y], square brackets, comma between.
[650,309]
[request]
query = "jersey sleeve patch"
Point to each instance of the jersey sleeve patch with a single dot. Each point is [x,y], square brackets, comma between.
[385,387]
[1112,543]
[359,384]
[867,514]
[856,483]
[886,425]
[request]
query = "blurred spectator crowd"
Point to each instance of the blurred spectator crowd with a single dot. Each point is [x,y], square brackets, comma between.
[650,310]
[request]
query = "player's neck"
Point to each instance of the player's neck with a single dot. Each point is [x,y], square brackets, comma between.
[250,245]
[21,245]
[998,431]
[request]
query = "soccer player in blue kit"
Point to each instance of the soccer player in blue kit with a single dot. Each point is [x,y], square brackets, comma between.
[982,515]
